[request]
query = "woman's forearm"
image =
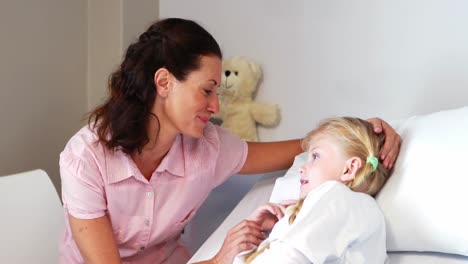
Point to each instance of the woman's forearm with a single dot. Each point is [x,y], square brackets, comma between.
[95,240]
[270,156]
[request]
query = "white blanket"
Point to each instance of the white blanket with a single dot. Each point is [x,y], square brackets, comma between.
[260,194]
[335,225]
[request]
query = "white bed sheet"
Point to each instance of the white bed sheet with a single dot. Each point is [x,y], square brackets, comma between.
[260,194]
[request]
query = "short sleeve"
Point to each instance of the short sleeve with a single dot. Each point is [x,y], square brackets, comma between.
[82,185]
[232,154]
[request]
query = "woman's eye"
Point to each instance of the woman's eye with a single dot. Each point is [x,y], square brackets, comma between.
[208,92]
[315,156]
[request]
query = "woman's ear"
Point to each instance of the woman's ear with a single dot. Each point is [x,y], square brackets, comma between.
[352,165]
[162,82]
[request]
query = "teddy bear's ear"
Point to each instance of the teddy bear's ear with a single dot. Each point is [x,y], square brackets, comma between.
[255,68]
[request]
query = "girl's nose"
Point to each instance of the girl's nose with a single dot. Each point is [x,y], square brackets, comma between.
[301,170]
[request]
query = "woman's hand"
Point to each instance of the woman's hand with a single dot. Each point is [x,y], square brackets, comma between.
[391,146]
[268,214]
[244,236]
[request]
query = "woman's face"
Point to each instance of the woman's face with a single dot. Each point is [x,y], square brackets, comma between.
[191,102]
[326,163]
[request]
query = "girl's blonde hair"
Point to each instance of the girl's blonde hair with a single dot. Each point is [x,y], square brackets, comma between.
[357,139]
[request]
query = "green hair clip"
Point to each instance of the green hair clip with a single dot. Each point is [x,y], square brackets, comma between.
[373,161]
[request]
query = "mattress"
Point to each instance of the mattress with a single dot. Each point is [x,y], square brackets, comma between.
[260,194]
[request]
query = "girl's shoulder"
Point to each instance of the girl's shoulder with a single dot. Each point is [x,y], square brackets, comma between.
[334,199]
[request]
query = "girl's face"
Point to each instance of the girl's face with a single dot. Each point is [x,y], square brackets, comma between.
[191,103]
[326,162]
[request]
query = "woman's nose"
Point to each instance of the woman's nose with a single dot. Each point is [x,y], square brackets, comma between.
[213,105]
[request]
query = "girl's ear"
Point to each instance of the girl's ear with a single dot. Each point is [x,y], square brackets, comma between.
[352,165]
[162,82]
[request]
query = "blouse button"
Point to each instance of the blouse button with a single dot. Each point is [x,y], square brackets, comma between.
[149,194]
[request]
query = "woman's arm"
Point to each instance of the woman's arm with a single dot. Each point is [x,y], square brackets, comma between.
[95,240]
[270,156]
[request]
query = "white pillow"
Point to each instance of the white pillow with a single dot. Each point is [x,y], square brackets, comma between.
[424,201]
[289,186]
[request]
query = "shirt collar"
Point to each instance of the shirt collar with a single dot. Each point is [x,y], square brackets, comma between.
[123,166]
[174,161]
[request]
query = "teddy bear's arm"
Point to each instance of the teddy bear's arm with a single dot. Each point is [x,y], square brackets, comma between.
[265,114]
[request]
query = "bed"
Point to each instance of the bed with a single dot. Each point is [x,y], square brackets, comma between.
[423,202]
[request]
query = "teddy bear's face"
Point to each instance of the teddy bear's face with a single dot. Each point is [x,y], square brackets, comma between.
[239,78]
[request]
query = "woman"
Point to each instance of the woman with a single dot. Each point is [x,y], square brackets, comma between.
[137,173]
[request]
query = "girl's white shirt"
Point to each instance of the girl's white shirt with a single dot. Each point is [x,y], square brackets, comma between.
[335,225]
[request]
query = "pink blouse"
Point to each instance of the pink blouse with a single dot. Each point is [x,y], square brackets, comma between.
[147,216]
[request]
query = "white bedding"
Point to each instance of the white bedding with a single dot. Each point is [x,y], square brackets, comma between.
[260,193]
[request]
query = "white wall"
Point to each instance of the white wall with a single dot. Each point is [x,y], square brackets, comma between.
[337,57]
[55,57]
[137,16]
[112,26]
[42,81]
[387,58]
[104,47]
[391,58]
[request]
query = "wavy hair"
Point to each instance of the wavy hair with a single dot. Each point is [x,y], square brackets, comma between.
[175,44]
[357,139]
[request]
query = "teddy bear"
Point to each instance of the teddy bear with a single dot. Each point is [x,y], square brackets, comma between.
[239,113]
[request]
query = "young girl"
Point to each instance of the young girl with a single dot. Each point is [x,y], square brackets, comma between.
[336,220]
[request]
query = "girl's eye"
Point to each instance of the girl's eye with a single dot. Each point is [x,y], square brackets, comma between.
[315,156]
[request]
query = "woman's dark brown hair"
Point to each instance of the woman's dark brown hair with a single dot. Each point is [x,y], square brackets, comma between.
[175,44]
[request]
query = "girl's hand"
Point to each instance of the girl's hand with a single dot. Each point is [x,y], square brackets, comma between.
[268,214]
